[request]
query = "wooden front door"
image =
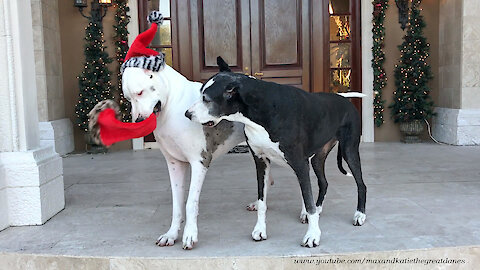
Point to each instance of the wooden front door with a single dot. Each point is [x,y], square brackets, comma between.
[269,39]
[310,44]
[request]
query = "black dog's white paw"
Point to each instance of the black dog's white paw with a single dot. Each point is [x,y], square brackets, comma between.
[359,218]
[312,238]
[259,233]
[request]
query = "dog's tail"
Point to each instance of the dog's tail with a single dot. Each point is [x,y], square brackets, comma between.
[352,94]
[339,162]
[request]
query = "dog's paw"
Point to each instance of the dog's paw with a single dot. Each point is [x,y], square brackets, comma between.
[190,238]
[312,238]
[359,218]
[167,239]
[303,217]
[259,233]
[252,206]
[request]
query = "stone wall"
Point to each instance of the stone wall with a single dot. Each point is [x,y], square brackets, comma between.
[31,175]
[56,130]
[470,55]
[450,60]
[458,120]
[48,60]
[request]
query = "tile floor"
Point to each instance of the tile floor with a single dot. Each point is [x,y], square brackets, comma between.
[117,204]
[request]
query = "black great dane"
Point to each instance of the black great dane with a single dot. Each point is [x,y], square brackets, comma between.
[291,127]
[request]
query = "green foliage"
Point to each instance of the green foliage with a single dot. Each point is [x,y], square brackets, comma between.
[94,81]
[121,47]
[411,98]
[379,75]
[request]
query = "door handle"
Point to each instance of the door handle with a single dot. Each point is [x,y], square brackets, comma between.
[246,71]
[258,74]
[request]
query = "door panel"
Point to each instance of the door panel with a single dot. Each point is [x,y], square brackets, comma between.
[220,33]
[227,35]
[280,41]
[281,33]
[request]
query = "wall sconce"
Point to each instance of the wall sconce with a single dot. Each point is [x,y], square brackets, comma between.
[105,2]
[80,3]
[98,9]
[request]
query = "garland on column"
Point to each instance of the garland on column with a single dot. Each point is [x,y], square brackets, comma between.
[121,47]
[379,75]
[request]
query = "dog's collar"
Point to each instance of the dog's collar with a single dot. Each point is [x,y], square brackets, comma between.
[153,63]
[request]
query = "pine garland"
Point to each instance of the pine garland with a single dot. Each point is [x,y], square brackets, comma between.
[379,75]
[411,97]
[94,82]
[121,47]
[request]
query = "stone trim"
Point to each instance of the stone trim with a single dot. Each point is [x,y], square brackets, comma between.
[33,187]
[58,134]
[457,126]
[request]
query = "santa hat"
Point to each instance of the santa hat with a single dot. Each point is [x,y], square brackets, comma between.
[139,55]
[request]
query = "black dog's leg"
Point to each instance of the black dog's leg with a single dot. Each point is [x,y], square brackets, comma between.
[352,156]
[302,170]
[263,170]
[318,164]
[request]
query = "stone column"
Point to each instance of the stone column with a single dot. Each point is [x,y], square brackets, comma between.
[31,175]
[55,129]
[458,120]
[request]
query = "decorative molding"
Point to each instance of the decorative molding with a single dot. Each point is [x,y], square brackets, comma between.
[59,134]
[34,185]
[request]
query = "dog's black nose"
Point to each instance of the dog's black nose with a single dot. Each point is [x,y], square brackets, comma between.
[188,115]
[139,119]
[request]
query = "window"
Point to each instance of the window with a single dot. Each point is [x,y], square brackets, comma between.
[340,45]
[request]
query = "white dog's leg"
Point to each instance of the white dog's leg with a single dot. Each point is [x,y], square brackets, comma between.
[176,170]
[260,231]
[190,233]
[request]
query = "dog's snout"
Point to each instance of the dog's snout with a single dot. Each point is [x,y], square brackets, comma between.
[188,114]
[139,119]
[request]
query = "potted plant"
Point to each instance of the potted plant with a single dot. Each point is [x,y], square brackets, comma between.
[412,103]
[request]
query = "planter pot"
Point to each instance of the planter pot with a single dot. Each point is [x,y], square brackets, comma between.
[93,148]
[411,130]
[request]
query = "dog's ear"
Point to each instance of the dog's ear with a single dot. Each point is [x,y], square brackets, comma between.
[222,65]
[236,89]
[231,91]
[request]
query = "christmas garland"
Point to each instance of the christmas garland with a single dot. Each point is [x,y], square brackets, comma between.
[121,47]
[379,75]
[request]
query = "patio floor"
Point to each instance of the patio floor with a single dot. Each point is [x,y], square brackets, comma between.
[117,204]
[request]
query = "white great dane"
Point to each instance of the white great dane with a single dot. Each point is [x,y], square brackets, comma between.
[182,142]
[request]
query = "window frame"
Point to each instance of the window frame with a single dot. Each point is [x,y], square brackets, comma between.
[355,50]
